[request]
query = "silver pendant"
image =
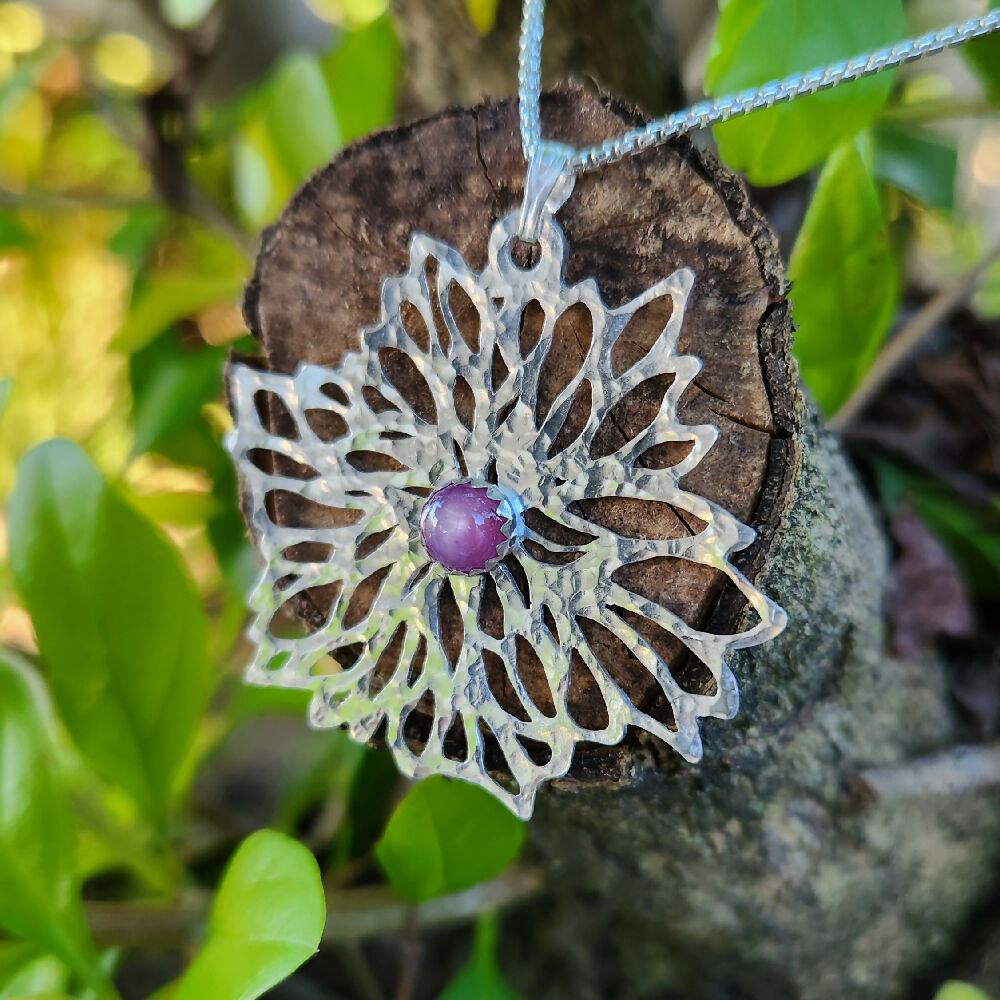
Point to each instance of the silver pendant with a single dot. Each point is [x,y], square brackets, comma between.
[360,480]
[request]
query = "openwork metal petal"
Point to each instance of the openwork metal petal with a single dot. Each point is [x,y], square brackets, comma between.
[337,462]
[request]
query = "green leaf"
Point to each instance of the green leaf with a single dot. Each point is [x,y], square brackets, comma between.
[971,533]
[136,236]
[983,54]
[987,298]
[39,898]
[914,162]
[170,383]
[24,972]
[483,14]
[955,990]
[266,921]
[446,836]
[12,233]
[845,284]
[119,623]
[185,14]
[6,388]
[300,117]
[760,40]
[480,978]
[161,302]
[362,72]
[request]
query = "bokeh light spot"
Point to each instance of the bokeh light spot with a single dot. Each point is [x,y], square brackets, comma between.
[125,60]
[21,27]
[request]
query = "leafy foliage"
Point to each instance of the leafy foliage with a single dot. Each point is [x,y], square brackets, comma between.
[266,921]
[480,978]
[102,585]
[844,278]
[446,836]
[38,897]
[127,548]
[776,145]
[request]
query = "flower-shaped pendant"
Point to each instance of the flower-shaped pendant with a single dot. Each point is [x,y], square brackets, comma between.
[440,506]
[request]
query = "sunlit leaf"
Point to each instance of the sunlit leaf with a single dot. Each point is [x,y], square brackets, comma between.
[266,921]
[483,14]
[446,836]
[185,14]
[987,297]
[955,990]
[161,302]
[300,116]
[39,899]
[845,284]
[25,972]
[763,40]
[480,978]
[119,623]
[918,164]
[362,72]
[261,182]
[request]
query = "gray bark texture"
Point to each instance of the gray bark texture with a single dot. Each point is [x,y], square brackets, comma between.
[762,872]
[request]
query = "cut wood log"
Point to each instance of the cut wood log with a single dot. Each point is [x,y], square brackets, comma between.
[756,873]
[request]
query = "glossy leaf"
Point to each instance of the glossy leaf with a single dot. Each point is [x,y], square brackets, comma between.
[480,978]
[39,899]
[954,990]
[300,116]
[760,40]
[446,836]
[845,285]
[362,72]
[918,164]
[118,621]
[266,921]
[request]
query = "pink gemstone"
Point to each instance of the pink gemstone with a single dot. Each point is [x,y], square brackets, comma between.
[462,527]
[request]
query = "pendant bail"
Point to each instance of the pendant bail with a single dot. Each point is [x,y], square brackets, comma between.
[549,183]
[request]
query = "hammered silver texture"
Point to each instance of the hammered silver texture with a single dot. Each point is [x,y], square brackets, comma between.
[373,533]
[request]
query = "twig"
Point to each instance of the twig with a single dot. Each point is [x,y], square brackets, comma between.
[369,912]
[410,967]
[352,914]
[957,771]
[908,338]
[927,111]
[359,971]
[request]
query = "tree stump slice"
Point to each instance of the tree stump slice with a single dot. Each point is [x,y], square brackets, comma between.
[755,873]
[452,176]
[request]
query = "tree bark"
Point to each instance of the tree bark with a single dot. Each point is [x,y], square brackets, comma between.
[760,872]
[448,62]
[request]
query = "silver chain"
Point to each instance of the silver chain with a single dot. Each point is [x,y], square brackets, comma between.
[713,112]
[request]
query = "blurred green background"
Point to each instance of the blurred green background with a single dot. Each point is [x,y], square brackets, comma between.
[144,144]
